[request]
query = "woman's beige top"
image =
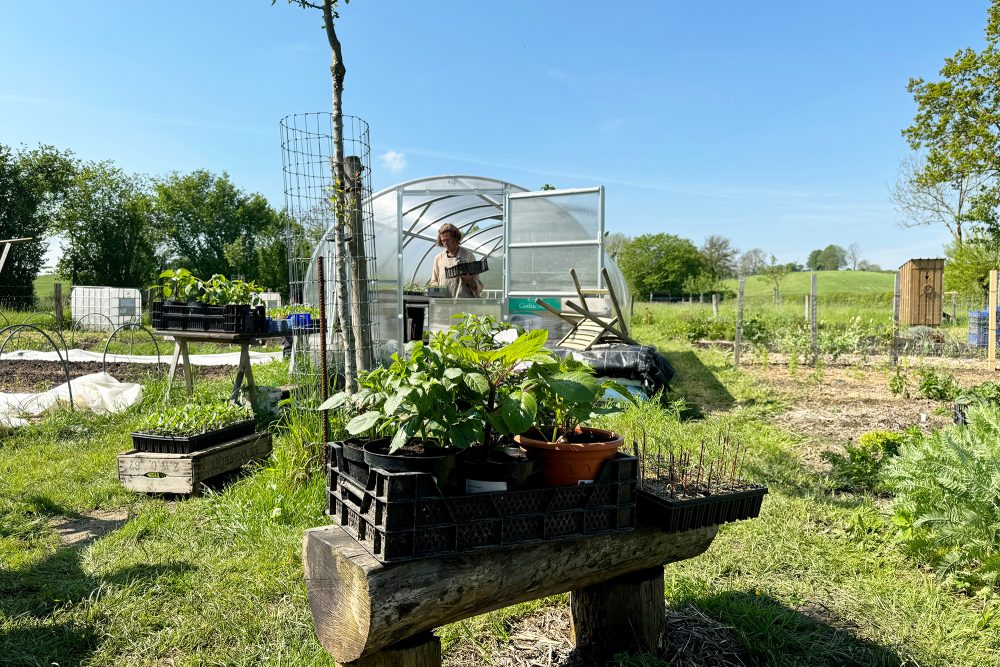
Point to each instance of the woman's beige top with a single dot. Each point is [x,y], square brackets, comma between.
[456,286]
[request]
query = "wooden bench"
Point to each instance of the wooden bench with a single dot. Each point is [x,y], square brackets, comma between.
[369,614]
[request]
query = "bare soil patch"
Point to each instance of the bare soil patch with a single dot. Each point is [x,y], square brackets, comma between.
[84,529]
[17,376]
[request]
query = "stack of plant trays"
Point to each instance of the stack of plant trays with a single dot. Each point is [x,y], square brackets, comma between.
[742,501]
[402,516]
[230,318]
[173,444]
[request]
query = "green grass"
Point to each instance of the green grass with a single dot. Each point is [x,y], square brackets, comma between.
[829,284]
[817,580]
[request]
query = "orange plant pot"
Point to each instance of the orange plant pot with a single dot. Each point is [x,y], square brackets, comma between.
[565,463]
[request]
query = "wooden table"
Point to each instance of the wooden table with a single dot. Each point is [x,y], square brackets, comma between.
[369,614]
[243,371]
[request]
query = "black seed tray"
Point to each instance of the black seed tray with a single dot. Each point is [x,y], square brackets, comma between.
[231,318]
[467,268]
[167,444]
[401,516]
[347,463]
[687,514]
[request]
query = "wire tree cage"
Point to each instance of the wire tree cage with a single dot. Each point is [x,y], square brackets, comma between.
[311,201]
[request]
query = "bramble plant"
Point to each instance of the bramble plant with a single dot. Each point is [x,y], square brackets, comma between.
[193,419]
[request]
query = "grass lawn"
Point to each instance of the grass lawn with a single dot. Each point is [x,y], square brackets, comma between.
[817,580]
[828,283]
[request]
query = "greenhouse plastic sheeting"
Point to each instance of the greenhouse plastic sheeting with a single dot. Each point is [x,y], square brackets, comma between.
[221,359]
[633,362]
[97,392]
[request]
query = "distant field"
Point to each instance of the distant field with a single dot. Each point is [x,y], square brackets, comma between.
[828,283]
[44,289]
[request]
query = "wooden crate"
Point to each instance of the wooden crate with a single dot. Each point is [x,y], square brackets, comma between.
[921,282]
[184,473]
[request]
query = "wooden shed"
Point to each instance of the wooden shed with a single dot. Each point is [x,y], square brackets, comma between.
[921,282]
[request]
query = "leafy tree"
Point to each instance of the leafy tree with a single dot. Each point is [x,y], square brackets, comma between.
[865,265]
[659,263]
[812,262]
[775,273]
[614,243]
[833,258]
[957,125]
[720,256]
[751,262]
[105,222]
[967,266]
[209,225]
[31,187]
[701,284]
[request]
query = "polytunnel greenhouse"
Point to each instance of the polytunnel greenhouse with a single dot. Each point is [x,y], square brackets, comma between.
[531,240]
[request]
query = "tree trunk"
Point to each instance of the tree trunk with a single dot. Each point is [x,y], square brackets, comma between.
[340,201]
[360,306]
[626,614]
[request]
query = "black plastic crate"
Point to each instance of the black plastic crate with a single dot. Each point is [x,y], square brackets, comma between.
[230,318]
[400,516]
[168,444]
[686,514]
[467,268]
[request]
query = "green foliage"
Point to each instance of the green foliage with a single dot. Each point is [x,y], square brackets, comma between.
[182,285]
[898,383]
[831,258]
[282,312]
[968,266]
[659,263]
[947,489]
[106,223]
[935,385]
[860,467]
[32,184]
[193,418]
[209,224]
[719,256]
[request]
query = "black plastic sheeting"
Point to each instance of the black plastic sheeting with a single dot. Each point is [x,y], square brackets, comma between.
[631,362]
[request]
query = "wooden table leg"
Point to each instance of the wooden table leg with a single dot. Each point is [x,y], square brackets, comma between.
[173,369]
[625,614]
[187,367]
[245,371]
[423,650]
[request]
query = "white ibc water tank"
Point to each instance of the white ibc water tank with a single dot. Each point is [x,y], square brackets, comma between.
[271,299]
[105,308]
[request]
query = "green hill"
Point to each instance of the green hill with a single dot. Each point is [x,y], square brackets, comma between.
[828,283]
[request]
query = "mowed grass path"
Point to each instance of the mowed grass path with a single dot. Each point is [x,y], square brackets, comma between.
[816,580]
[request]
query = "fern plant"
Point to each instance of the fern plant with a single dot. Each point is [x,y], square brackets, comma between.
[947,502]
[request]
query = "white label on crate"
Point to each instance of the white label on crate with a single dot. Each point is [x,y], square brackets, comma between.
[480,486]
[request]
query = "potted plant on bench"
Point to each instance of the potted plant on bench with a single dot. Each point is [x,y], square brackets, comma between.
[568,394]
[216,304]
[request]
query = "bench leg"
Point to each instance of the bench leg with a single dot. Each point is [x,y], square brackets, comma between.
[423,650]
[626,614]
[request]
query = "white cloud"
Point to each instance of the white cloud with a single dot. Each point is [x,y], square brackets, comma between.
[393,162]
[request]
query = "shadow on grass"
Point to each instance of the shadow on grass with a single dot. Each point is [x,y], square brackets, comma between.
[774,634]
[698,384]
[33,599]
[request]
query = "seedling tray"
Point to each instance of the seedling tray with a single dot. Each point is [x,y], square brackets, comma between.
[402,516]
[467,268]
[676,515]
[167,444]
[230,318]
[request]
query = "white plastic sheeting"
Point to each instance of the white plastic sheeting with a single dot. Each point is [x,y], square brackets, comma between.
[97,392]
[221,359]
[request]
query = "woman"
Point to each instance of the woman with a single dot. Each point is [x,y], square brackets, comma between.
[466,287]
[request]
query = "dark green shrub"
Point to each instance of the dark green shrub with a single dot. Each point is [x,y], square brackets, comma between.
[947,488]
[936,386]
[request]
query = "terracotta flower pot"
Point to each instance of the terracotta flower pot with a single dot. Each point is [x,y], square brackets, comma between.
[565,463]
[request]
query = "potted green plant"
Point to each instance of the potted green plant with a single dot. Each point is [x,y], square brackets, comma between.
[569,394]
[182,429]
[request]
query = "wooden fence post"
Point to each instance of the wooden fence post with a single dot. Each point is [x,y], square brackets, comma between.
[715,304]
[991,335]
[738,339]
[806,299]
[813,320]
[57,304]
[894,352]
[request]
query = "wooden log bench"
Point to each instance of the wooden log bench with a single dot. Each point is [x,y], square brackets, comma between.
[149,472]
[370,614]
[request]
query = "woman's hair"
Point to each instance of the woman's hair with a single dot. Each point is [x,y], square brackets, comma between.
[451,229]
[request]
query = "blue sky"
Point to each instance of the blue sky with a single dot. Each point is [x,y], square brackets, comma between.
[775,124]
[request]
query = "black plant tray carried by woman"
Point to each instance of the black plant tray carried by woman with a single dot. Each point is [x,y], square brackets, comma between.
[185,444]
[687,513]
[467,268]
